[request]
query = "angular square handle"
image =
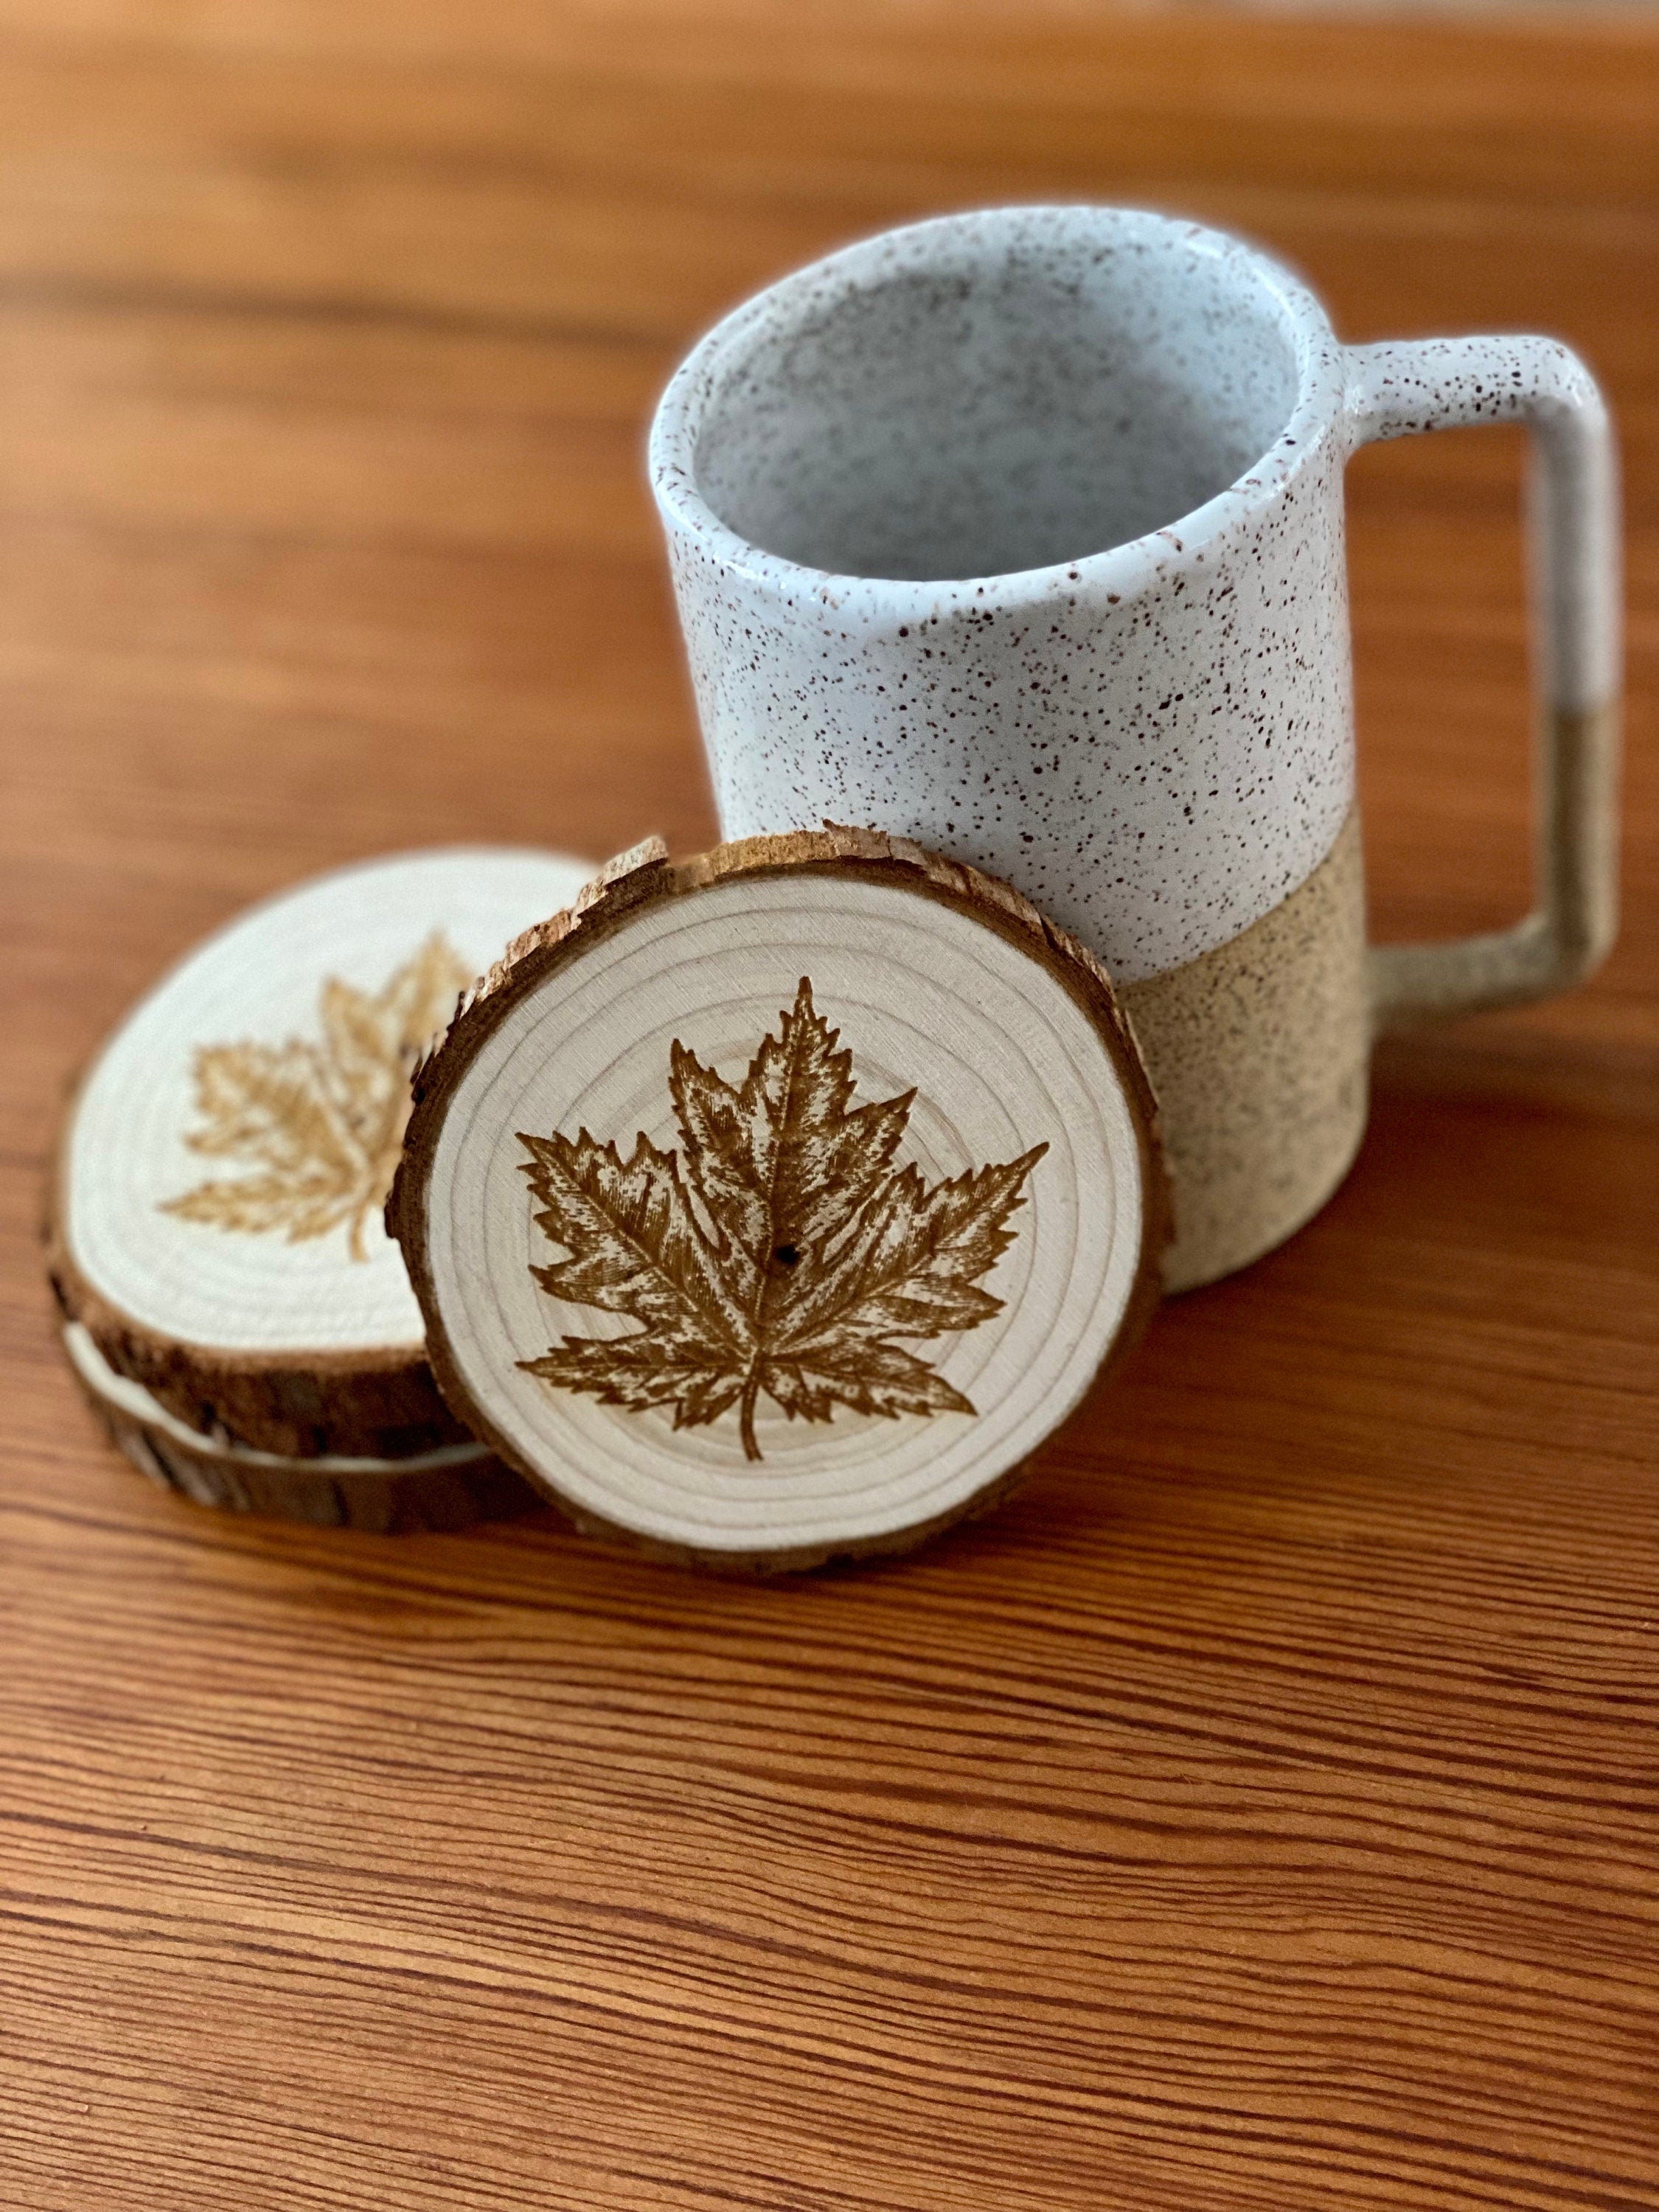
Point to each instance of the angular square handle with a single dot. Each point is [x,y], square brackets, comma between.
[1435,384]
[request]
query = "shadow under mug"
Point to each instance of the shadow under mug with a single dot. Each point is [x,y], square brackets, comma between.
[1020,534]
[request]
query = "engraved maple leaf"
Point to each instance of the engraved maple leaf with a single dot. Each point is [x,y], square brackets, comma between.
[322,1124]
[786,1257]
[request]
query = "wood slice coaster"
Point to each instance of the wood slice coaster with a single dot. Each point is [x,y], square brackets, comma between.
[216,1219]
[448,1489]
[776,1206]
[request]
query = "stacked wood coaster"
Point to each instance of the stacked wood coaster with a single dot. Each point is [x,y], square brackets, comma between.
[776,1206]
[232,1307]
[447,1488]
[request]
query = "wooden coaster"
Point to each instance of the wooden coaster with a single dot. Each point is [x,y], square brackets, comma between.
[776,1206]
[448,1489]
[215,1223]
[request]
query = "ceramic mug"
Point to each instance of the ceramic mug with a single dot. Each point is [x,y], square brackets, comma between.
[1020,534]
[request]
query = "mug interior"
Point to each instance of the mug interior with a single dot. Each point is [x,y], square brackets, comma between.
[988,394]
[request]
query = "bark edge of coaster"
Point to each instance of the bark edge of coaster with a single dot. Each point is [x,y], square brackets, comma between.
[185,1250]
[962,1099]
[374,1404]
[451,1487]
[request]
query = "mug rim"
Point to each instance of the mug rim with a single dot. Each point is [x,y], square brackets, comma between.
[1126,568]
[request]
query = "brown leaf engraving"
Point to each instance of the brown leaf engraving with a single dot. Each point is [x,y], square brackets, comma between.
[321,1124]
[785,1259]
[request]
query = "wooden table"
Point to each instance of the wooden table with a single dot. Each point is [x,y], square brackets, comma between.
[1260,1813]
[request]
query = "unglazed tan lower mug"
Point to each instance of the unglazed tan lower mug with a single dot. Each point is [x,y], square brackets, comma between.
[1021,533]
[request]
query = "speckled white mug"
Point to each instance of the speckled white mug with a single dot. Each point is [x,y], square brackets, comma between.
[1021,533]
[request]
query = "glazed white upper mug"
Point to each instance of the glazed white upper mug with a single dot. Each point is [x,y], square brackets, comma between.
[1020,534]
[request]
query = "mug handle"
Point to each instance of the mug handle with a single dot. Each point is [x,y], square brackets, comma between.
[1434,384]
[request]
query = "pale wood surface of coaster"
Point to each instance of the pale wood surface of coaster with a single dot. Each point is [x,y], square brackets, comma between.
[777,1206]
[215,1223]
[450,1488]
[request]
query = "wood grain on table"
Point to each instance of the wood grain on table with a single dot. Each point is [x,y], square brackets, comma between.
[1259,1813]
